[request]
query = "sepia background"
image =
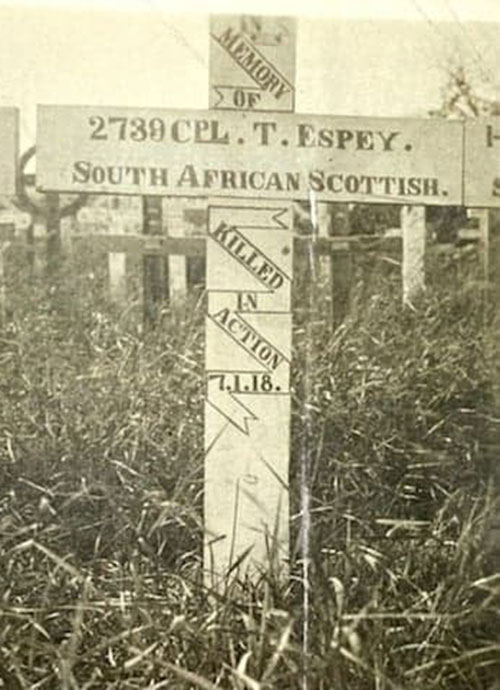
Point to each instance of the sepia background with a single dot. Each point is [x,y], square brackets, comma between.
[394,555]
[357,63]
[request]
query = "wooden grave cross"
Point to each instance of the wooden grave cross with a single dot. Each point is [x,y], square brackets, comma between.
[251,164]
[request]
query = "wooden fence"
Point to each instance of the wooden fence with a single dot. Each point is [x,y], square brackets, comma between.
[151,267]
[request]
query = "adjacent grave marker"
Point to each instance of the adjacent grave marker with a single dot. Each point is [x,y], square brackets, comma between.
[482,163]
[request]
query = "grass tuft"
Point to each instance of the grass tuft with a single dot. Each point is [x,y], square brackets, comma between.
[101,525]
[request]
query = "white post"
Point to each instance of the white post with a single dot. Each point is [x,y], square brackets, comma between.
[414,240]
[177,265]
[483,215]
[247,408]
[321,217]
[117,266]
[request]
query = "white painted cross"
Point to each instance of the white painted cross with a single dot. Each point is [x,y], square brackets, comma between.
[250,165]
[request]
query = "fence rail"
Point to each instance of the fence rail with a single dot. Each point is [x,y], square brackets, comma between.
[166,261]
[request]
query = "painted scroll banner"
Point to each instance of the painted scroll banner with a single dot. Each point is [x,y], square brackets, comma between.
[252,63]
[482,163]
[9,128]
[247,408]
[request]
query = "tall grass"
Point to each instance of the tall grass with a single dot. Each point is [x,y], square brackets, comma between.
[101,526]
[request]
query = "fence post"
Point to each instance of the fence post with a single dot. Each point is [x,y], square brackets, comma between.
[54,253]
[341,265]
[53,228]
[6,236]
[324,227]
[483,215]
[490,240]
[3,291]
[414,232]
[117,276]
[177,265]
[153,266]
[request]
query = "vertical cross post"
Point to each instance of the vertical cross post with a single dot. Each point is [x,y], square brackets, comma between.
[248,325]
[247,409]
